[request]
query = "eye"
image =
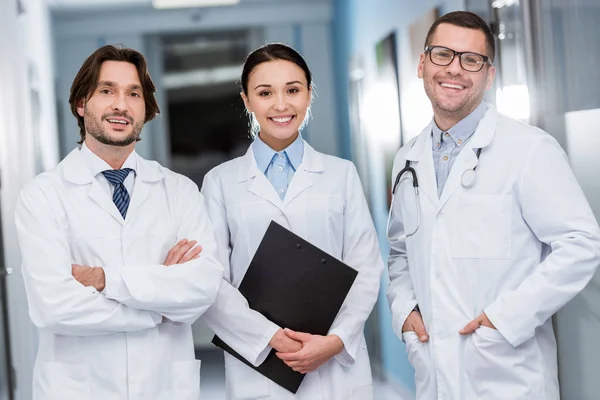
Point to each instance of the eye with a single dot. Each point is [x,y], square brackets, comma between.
[293,90]
[105,91]
[136,94]
[264,93]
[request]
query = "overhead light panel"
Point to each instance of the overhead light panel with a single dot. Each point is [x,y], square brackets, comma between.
[192,3]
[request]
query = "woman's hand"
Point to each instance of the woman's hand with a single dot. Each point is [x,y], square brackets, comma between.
[316,351]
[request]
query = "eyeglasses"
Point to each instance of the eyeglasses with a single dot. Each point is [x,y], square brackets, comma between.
[444,56]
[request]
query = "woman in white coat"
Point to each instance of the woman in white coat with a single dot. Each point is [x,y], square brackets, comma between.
[318,197]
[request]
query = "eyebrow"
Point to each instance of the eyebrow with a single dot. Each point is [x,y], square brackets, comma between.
[133,86]
[289,83]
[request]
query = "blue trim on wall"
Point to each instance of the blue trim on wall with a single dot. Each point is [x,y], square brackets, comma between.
[341,36]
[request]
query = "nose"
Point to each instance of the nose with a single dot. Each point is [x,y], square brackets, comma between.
[280,102]
[454,67]
[120,102]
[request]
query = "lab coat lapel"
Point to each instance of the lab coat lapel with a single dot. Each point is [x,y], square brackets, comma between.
[467,158]
[146,175]
[302,180]
[260,185]
[77,171]
[421,157]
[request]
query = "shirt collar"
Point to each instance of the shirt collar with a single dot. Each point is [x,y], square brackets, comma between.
[264,154]
[465,128]
[97,165]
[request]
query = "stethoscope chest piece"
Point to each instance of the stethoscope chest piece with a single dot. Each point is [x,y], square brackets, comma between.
[468,178]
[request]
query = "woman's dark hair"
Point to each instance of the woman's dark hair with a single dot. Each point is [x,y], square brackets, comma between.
[86,80]
[465,19]
[271,52]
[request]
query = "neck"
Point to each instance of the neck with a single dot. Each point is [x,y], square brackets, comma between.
[114,156]
[278,144]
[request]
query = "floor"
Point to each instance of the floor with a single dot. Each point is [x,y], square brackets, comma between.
[212,379]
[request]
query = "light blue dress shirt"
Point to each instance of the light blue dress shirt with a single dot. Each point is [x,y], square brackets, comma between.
[278,166]
[447,145]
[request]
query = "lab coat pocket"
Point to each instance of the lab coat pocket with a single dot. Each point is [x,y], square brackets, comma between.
[495,370]
[480,227]
[244,383]
[186,380]
[359,373]
[61,381]
[418,356]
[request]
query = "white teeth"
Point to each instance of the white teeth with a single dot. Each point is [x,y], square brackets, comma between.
[448,85]
[282,120]
[116,121]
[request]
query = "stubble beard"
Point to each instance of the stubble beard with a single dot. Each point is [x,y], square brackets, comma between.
[93,127]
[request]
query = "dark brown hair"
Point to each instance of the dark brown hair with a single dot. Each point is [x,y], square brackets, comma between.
[271,52]
[86,80]
[465,19]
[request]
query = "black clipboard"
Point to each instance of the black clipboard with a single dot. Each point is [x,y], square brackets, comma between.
[296,285]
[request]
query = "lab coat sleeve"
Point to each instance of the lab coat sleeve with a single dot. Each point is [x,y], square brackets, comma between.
[400,293]
[57,302]
[556,210]
[179,292]
[246,331]
[360,251]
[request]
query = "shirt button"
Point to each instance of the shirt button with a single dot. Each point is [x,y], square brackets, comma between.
[459,141]
[280,156]
[279,169]
[445,158]
[281,190]
[447,134]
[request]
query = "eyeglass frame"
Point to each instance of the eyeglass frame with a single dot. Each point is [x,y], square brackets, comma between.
[486,59]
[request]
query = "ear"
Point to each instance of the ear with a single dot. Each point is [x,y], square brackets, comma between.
[246,102]
[491,74]
[80,108]
[421,65]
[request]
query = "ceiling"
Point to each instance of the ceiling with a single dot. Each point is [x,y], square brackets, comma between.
[94,4]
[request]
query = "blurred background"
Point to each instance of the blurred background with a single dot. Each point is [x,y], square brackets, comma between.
[363,55]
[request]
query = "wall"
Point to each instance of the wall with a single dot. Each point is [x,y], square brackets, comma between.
[300,23]
[27,146]
[358,26]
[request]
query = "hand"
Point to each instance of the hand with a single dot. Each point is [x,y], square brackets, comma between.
[414,323]
[316,350]
[472,326]
[283,343]
[182,252]
[89,276]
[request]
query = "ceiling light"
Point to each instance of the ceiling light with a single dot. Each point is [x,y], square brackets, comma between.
[191,3]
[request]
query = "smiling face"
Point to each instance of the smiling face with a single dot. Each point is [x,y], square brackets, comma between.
[454,92]
[279,96]
[115,112]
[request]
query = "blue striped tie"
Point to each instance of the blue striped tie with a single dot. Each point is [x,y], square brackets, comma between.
[120,195]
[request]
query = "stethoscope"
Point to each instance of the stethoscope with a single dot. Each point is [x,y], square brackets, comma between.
[467,181]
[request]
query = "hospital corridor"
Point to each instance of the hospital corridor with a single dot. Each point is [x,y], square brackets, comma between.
[442,154]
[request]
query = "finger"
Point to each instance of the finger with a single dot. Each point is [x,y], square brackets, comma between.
[419,329]
[191,254]
[171,253]
[182,251]
[299,336]
[289,356]
[470,327]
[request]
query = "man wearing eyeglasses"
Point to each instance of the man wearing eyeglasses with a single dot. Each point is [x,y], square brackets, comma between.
[497,238]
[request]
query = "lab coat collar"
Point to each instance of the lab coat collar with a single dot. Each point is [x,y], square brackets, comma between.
[312,162]
[76,170]
[467,158]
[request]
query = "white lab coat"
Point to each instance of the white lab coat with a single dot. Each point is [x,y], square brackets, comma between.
[325,204]
[114,345]
[518,245]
